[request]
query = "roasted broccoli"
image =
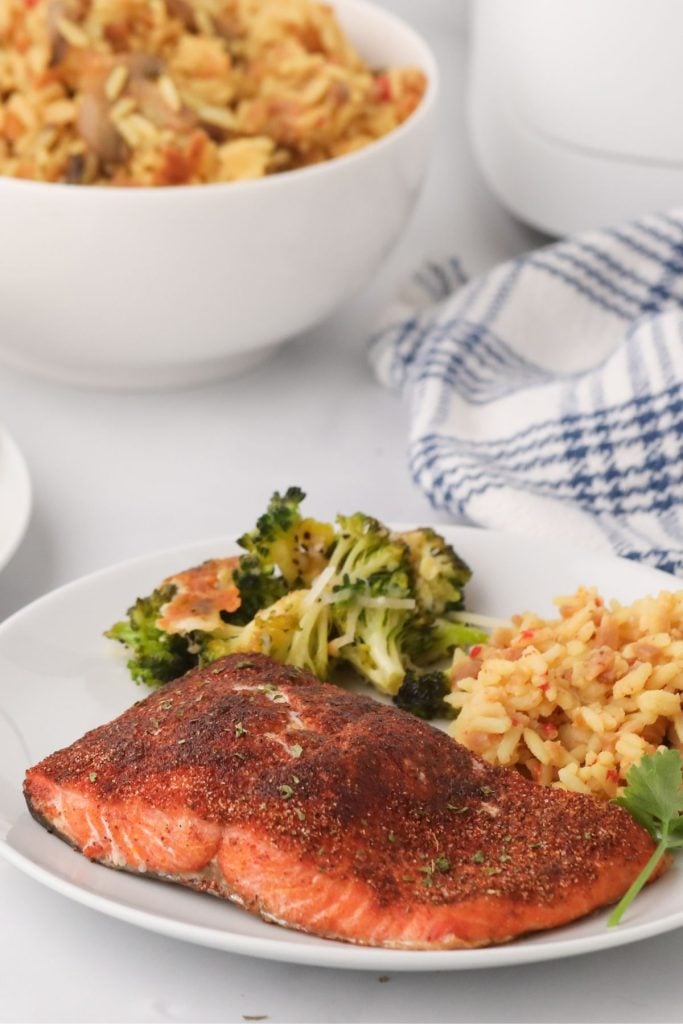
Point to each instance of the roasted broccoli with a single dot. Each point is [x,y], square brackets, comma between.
[316,595]
[284,542]
[157,657]
[293,630]
[284,552]
[440,574]
[430,640]
[355,611]
[259,587]
[369,589]
[422,694]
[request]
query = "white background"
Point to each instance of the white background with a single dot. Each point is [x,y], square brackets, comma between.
[120,475]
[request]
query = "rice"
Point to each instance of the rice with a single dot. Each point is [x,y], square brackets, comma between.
[169,92]
[575,701]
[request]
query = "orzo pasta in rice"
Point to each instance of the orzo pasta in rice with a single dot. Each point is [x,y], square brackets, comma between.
[575,701]
[170,92]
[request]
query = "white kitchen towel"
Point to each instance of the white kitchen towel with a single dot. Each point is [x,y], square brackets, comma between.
[546,396]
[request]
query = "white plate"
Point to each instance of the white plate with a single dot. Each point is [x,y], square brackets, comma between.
[59,677]
[15,497]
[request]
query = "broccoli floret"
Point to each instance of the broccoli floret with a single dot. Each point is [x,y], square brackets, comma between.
[284,542]
[375,652]
[422,694]
[156,656]
[259,587]
[440,573]
[294,630]
[268,545]
[284,552]
[430,641]
[369,589]
[278,519]
[355,612]
[317,594]
[440,576]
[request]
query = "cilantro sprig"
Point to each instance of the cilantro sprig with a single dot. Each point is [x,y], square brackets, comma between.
[654,797]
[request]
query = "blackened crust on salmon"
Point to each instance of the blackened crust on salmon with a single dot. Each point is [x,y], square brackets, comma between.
[330,812]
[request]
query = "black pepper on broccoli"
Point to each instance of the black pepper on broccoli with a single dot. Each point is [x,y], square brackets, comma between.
[286,543]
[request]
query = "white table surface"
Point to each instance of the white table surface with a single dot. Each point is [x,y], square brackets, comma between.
[120,475]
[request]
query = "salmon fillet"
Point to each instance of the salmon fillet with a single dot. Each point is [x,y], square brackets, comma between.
[325,811]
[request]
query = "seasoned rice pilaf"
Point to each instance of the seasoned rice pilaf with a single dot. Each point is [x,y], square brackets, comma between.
[170,92]
[575,701]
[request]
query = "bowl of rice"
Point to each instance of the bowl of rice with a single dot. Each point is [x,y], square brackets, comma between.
[186,184]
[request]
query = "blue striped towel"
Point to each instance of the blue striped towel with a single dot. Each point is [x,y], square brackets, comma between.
[546,396]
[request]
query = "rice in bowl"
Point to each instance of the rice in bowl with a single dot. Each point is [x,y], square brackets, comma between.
[171,92]
[575,701]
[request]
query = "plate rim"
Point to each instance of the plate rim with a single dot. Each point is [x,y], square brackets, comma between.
[325,952]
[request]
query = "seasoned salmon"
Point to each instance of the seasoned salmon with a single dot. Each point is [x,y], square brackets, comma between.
[325,811]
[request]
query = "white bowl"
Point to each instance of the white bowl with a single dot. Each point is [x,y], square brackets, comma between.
[144,287]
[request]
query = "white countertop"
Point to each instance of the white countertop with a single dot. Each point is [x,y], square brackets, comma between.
[120,475]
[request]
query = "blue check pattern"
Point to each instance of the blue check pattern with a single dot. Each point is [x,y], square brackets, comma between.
[546,396]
